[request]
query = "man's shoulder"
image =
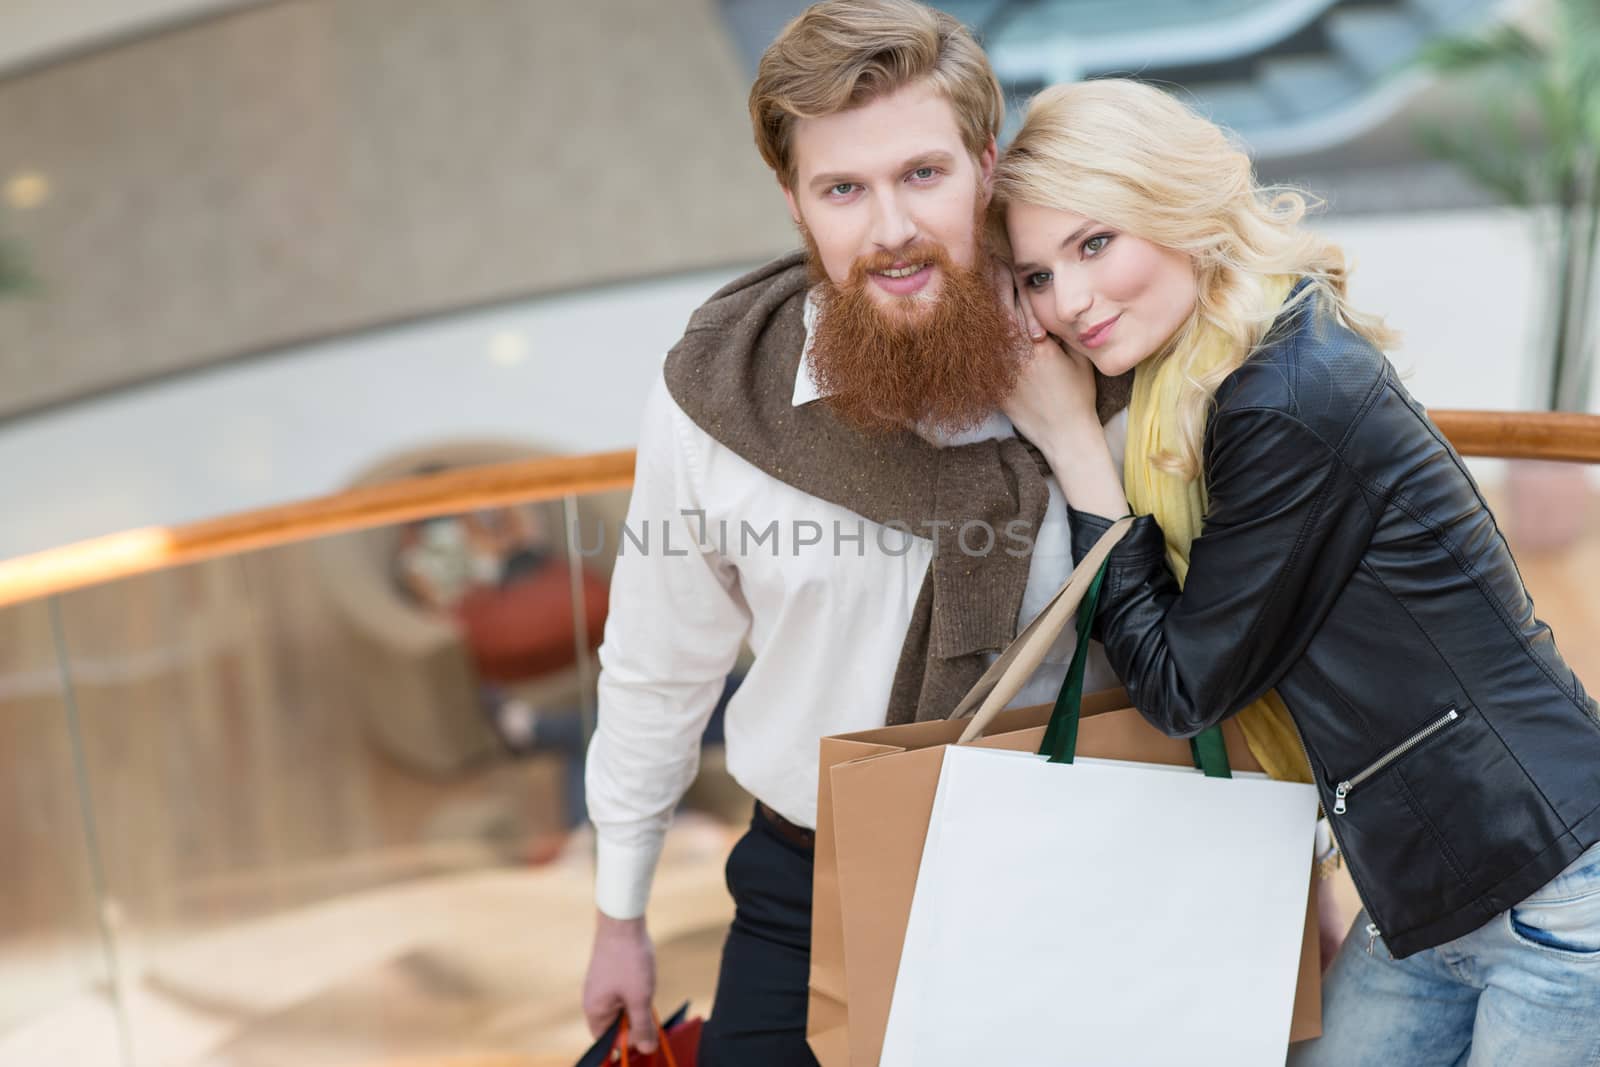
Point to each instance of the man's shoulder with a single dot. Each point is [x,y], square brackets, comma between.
[772,282]
[742,348]
[761,276]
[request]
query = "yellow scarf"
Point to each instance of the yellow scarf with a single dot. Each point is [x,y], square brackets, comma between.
[1180,508]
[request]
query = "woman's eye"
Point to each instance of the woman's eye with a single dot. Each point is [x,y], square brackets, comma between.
[1037,280]
[1096,244]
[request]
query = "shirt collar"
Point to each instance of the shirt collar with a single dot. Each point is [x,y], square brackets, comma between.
[805,388]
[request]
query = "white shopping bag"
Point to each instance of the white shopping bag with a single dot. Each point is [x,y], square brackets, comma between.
[1102,913]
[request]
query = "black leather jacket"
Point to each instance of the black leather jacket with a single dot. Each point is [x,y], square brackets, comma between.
[1349,561]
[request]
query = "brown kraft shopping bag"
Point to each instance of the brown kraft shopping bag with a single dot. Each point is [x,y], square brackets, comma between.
[874,798]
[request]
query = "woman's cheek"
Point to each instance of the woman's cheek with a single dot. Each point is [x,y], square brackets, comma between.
[1043,311]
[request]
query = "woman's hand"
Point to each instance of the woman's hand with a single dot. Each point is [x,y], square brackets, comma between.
[1054,396]
[1053,383]
[1053,405]
[1005,288]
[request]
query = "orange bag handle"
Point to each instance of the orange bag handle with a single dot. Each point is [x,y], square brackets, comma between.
[661,1039]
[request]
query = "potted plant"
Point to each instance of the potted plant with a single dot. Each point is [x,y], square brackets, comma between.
[1535,144]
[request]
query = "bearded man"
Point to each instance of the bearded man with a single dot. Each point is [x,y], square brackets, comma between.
[825,451]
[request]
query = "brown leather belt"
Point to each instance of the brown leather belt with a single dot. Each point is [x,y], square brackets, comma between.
[791,832]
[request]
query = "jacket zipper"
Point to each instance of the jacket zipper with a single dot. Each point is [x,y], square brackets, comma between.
[1343,790]
[1349,784]
[1372,927]
[1372,931]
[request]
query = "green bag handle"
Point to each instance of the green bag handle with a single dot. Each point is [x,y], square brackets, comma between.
[1015,665]
[1060,742]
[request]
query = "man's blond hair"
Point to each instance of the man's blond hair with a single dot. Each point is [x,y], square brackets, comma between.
[841,54]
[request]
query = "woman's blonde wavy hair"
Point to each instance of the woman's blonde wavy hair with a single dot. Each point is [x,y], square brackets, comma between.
[1133,158]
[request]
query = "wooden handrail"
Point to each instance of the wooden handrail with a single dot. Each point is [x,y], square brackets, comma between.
[1506,435]
[1522,434]
[122,555]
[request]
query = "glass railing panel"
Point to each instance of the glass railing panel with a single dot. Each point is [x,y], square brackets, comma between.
[1550,514]
[330,804]
[341,801]
[58,982]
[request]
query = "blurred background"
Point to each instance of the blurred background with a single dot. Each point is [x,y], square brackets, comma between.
[320,803]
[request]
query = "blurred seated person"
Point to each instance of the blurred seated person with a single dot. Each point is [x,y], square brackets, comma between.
[499,573]
[509,588]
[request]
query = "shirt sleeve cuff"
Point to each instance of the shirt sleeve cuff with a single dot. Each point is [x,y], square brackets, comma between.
[623,874]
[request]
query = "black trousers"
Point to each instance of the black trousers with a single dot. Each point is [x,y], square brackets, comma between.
[759,1016]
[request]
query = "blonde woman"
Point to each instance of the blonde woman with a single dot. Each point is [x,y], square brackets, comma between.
[1312,557]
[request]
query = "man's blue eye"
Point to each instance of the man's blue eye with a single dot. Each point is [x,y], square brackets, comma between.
[842,189]
[923,173]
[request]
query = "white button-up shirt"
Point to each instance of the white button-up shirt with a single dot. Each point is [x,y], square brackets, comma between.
[717,553]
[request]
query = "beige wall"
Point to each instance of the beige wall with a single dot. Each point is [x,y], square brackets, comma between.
[313,166]
[36,32]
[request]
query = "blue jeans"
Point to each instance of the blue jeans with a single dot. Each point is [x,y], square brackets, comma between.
[1522,990]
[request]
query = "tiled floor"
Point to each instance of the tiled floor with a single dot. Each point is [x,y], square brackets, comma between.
[484,963]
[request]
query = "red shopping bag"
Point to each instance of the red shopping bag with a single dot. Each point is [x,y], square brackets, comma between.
[679,1044]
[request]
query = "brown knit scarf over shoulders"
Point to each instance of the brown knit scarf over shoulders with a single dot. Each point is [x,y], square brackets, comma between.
[734,375]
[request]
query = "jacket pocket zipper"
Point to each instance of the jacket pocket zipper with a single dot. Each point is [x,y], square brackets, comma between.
[1345,787]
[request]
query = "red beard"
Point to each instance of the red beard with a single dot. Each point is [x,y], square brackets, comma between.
[945,362]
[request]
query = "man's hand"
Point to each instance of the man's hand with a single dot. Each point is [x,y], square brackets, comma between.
[622,977]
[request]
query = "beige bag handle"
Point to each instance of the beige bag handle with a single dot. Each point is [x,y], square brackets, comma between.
[1010,672]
